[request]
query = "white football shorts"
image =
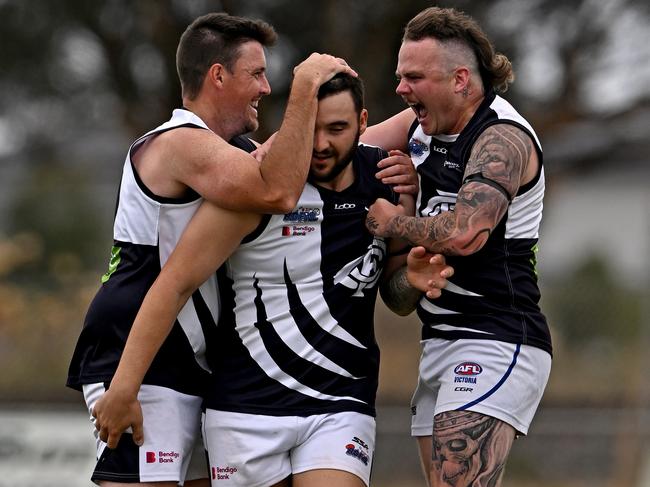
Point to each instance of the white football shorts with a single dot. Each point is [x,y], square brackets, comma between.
[251,450]
[498,379]
[173,448]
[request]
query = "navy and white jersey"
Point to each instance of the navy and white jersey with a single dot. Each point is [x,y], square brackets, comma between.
[146,230]
[296,333]
[493,293]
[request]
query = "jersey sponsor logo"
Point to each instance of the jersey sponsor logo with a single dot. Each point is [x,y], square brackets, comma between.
[417,147]
[463,389]
[362,456]
[440,203]
[363,272]
[223,473]
[468,368]
[435,148]
[163,456]
[451,165]
[302,214]
[296,230]
[344,206]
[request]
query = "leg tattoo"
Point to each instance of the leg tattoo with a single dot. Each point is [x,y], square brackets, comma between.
[469,449]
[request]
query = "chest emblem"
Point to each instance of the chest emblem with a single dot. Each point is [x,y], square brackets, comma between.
[364,271]
[417,147]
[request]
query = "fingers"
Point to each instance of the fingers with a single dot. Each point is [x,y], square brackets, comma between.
[138,433]
[418,252]
[397,170]
[323,67]
[434,293]
[113,439]
[406,189]
[343,66]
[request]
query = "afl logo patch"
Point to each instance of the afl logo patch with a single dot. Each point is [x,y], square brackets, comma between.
[468,368]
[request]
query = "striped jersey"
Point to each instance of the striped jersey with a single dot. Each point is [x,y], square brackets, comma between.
[493,293]
[296,332]
[146,230]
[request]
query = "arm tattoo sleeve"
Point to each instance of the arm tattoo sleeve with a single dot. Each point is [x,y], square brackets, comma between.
[398,294]
[492,177]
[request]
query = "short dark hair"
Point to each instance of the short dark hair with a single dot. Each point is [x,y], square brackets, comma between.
[451,25]
[215,38]
[344,82]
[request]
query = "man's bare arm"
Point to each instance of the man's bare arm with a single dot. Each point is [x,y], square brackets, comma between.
[235,180]
[392,133]
[493,174]
[211,236]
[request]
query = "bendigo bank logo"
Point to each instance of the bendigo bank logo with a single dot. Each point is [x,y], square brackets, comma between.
[163,457]
[223,473]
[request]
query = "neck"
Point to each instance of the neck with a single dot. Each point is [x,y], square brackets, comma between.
[210,115]
[340,182]
[467,111]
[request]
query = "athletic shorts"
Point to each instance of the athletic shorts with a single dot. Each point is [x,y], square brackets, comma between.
[251,450]
[498,379]
[173,448]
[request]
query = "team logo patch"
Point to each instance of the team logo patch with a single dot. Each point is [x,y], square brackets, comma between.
[363,272]
[302,214]
[468,368]
[223,473]
[466,374]
[417,147]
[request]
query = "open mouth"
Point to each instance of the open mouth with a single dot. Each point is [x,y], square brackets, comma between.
[420,111]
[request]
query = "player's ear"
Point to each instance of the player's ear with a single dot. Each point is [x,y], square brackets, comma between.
[363,121]
[215,74]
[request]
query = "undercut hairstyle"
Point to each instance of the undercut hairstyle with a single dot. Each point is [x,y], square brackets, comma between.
[450,27]
[215,38]
[344,82]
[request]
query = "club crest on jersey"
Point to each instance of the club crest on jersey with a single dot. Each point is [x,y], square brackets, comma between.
[302,214]
[364,271]
[417,147]
[443,201]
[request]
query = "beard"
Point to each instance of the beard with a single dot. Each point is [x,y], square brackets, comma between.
[339,166]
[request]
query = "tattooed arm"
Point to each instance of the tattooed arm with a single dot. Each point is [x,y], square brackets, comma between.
[424,273]
[502,158]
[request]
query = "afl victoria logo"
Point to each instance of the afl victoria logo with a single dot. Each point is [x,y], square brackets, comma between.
[468,368]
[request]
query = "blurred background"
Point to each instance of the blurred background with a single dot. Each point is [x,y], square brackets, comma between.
[79,80]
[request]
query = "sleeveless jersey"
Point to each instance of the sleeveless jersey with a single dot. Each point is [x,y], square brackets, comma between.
[296,333]
[145,232]
[493,293]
